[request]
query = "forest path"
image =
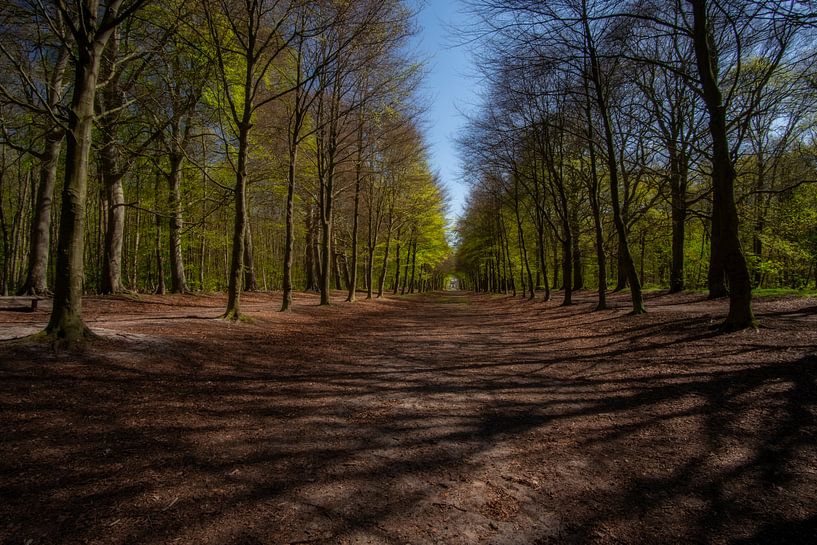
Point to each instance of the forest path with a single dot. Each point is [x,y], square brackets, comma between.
[446,418]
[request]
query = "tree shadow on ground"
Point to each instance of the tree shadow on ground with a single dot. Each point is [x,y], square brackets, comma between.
[441,424]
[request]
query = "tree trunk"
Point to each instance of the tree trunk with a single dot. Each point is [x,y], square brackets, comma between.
[578,273]
[133,281]
[66,322]
[508,261]
[178,279]
[397,264]
[381,281]
[40,244]
[679,213]
[612,167]
[676,282]
[726,252]
[521,235]
[542,257]
[203,251]
[250,280]
[326,249]
[111,174]
[757,248]
[233,310]
[350,297]
[309,259]
[621,273]
[716,274]
[601,259]
[114,234]
[160,262]
[325,217]
[371,242]
[290,231]
[598,226]
[316,255]
[347,277]
[336,265]
[408,262]
[413,264]
[567,267]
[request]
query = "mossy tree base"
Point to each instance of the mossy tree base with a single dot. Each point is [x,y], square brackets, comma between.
[739,319]
[69,334]
[34,292]
[232,315]
[734,327]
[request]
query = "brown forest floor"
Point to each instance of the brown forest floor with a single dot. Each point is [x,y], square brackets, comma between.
[447,418]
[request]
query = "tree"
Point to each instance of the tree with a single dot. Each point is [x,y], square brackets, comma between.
[247,37]
[38,92]
[91,23]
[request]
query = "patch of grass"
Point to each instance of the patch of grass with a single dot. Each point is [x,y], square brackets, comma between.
[651,289]
[780,292]
[453,300]
[766,292]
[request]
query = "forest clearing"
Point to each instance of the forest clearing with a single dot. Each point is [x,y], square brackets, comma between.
[441,418]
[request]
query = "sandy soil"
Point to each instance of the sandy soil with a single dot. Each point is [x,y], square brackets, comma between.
[449,418]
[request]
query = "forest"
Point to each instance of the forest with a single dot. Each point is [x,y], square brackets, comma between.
[244,302]
[659,144]
[213,146]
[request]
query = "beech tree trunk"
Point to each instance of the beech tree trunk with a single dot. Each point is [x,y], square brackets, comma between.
[350,297]
[40,244]
[601,259]
[311,283]
[157,251]
[66,322]
[326,249]
[612,167]
[290,230]
[593,191]
[397,264]
[727,254]
[578,273]
[233,310]
[110,170]
[250,280]
[381,281]
[679,212]
[522,246]
[542,256]
[567,268]
[408,262]
[178,279]
[413,264]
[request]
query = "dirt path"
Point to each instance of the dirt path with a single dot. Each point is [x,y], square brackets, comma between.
[451,419]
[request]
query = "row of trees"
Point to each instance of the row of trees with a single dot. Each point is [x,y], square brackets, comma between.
[661,137]
[215,144]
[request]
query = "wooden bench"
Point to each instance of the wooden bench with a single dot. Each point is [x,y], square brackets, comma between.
[16,301]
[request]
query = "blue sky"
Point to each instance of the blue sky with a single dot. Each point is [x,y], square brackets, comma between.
[448,86]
